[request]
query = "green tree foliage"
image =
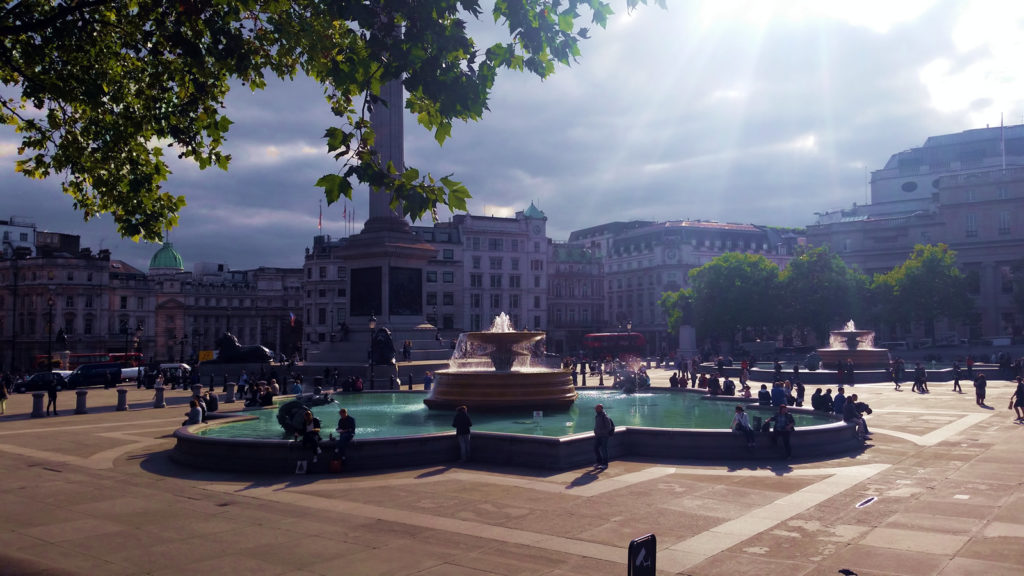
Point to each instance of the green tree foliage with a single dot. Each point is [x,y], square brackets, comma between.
[925,288]
[732,292]
[98,89]
[678,308]
[819,291]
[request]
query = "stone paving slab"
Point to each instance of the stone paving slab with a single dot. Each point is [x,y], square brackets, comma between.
[97,494]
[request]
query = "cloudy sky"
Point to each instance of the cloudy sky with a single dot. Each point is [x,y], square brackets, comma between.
[755,111]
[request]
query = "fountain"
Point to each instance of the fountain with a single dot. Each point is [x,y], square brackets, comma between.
[490,371]
[853,344]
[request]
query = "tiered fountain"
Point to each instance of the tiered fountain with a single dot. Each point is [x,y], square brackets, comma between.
[852,344]
[491,371]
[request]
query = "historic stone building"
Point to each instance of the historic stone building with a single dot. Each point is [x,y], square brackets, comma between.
[964,190]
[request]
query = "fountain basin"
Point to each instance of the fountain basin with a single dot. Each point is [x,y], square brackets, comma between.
[555,441]
[489,391]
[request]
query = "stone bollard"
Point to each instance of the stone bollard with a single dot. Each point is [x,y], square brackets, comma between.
[229,393]
[37,405]
[410,380]
[122,399]
[158,397]
[197,389]
[80,401]
[648,363]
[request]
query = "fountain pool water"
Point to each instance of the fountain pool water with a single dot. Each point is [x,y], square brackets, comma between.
[385,415]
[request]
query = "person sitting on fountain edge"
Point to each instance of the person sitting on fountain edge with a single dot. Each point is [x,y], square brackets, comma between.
[346,432]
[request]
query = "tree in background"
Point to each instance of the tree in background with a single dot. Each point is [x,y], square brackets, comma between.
[925,288]
[99,89]
[734,292]
[820,292]
[678,308]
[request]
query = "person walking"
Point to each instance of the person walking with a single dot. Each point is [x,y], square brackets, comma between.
[462,424]
[603,429]
[979,389]
[1017,400]
[51,397]
[956,378]
[4,395]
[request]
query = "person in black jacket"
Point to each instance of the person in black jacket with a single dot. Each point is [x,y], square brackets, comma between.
[462,424]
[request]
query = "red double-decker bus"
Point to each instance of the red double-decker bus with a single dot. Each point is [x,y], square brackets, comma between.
[129,360]
[615,345]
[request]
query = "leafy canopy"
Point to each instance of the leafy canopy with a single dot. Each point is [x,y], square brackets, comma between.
[100,89]
[925,288]
[819,291]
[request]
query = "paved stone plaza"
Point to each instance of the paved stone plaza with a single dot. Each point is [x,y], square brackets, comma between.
[98,494]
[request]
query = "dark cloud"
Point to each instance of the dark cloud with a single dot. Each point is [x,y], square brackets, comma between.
[668,114]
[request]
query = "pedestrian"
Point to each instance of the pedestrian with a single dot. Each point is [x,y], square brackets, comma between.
[741,423]
[51,396]
[852,415]
[428,380]
[784,426]
[1017,400]
[194,414]
[462,424]
[979,389]
[956,378]
[603,429]
[4,395]
[346,430]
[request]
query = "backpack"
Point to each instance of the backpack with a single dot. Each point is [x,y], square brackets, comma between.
[611,431]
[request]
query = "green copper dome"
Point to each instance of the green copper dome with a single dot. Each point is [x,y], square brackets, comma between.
[166,257]
[534,212]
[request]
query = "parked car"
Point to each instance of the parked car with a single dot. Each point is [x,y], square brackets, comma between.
[40,381]
[107,375]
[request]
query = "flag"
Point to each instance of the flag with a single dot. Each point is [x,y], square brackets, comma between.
[344,213]
[291,318]
[320,220]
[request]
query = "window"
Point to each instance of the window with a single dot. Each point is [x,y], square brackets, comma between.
[474,300]
[69,302]
[515,281]
[495,262]
[342,292]
[309,273]
[474,243]
[431,298]
[495,301]
[140,303]
[448,277]
[972,195]
[340,272]
[1001,193]
[1006,280]
[536,302]
[536,265]
[124,303]
[476,280]
[1004,223]
[321,293]
[972,226]
[88,304]
[448,254]
[515,245]
[476,262]
[495,280]
[432,276]
[448,299]
[536,281]
[321,316]
[536,323]
[23,236]
[513,301]
[496,244]
[515,263]
[87,327]
[323,272]
[71,276]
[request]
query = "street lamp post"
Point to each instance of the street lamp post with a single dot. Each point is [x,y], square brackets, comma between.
[181,352]
[373,325]
[49,335]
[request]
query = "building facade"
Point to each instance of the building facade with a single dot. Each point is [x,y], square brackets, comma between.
[964,190]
